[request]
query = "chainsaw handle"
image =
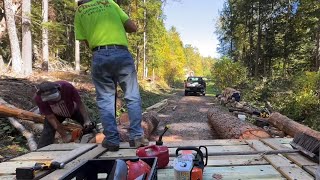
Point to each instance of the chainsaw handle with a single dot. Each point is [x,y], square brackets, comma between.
[193,148]
[206,149]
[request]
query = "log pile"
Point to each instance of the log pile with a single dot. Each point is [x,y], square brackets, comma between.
[230,127]
[259,117]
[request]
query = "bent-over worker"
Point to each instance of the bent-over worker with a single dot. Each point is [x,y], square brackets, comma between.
[57,101]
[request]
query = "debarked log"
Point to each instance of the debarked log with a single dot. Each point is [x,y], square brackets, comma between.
[229,127]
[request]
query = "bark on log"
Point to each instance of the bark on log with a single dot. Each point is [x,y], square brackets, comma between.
[19,113]
[291,127]
[229,127]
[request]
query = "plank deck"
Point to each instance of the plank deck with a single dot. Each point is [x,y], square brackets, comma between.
[257,166]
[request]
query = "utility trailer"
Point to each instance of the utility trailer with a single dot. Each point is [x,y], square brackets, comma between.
[257,166]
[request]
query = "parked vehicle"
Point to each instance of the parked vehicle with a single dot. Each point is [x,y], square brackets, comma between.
[195,85]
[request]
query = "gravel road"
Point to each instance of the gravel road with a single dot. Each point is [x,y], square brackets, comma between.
[186,117]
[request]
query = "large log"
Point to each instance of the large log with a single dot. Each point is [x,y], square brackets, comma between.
[291,127]
[19,113]
[229,127]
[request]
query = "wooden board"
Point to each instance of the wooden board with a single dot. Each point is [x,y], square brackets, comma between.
[282,164]
[39,156]
[216,142]
[235,160]
[69,166]
[60,147]
[311,169]
[297,158]
[294,173]
[282,140]
[8,177]
[172,151]
[230,173]
[9,168]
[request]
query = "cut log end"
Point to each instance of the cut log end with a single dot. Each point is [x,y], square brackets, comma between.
[254,134]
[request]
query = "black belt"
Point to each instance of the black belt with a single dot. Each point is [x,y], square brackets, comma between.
[110,47]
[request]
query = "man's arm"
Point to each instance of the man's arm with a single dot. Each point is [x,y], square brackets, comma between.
[130,26]
[84,113]
[58,127]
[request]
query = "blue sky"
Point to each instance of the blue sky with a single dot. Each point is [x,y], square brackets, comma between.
[195,21]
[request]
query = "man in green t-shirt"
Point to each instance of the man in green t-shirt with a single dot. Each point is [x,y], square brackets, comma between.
[102,24]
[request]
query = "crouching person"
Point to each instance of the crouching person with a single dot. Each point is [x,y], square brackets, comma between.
[58,101]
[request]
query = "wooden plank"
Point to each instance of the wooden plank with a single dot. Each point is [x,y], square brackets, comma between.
[39,156]
[216,142]
[235,160]
[9,168]
[283,165]
[275,160]
[230,173]
[311,169]
[297,158]
[282,140]
[294,173]
[69,166]
[172,151]
[61,147]
[8,177]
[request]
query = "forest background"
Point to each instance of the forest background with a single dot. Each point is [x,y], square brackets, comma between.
[270,49]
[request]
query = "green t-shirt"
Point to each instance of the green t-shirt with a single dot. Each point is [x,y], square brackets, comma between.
[100,22]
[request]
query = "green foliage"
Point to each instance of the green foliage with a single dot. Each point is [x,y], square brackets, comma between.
[303,101]
[10,135]
[228,74]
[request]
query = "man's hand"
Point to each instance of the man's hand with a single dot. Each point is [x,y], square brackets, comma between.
[87,124]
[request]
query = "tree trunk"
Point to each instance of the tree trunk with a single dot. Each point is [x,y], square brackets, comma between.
[2,23]
[77,56]
[257,59]
[2,66]
[318,49]
[45,43]
[291,127]
[13,37]
[229,127]
[26,37]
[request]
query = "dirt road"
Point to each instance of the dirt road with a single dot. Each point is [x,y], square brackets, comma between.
[186,117]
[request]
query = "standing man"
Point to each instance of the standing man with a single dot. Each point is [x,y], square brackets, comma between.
[58,101]
[102,24]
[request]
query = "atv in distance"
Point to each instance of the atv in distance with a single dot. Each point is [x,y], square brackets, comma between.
[194,85]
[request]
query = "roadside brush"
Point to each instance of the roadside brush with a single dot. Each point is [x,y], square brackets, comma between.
[307,145]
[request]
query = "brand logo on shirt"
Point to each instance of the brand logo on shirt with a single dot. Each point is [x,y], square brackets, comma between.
[60,109]
[98,4]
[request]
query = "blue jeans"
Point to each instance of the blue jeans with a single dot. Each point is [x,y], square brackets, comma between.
[110,66]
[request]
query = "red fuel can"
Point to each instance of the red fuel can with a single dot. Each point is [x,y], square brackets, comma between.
[136,168]
[161,152]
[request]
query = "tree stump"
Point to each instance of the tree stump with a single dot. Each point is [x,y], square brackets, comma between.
[229,127]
